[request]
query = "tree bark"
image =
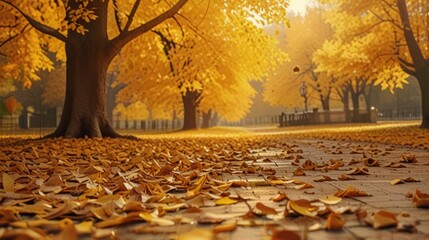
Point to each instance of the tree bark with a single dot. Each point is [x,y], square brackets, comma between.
[344,95]
[190,104]
[88,57]
[207,116]
[420,64]
[84,111]
[326,108]
[423,79]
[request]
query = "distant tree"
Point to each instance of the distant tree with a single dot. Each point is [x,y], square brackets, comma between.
[305,36]
[392,36]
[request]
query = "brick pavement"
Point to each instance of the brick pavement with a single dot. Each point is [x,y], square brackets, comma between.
[383,195]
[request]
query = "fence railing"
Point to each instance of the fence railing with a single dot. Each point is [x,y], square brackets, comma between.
[400,114]
[10,124]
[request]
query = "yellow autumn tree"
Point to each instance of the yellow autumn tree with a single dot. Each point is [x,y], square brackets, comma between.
[93,32]
[21,51]
[305,36]
[204,67]
[390,35]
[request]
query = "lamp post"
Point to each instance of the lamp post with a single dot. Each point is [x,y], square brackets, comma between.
[303,92]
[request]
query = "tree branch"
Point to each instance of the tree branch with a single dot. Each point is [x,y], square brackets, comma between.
[125,37]
[405,63]
[12,37]
[37,25]
[413,47]
[132,14]
[117,20]
[407,70]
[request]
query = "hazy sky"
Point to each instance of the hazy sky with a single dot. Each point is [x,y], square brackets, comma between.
[298,6]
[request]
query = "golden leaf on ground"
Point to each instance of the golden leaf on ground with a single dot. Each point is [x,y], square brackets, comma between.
[395,165]
[38,223]
[324,179]
[198,185]
[279,197]
[298,172]
[308,165]
[303,186]
[225,228]
[26,233]
[335,221]
[358,171]
[303,207]
[344,177]
[397,181]
[264,210]
[197,234]
[8,183]
[408,158]
[207,217]
[420,199]
[410,179]
[351,192]
[384,219]
[225,201]
[119,220]
[85,227]
[68,230]
[331,199]
[371,162]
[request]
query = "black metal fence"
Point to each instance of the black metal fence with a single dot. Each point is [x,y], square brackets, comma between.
[400,114]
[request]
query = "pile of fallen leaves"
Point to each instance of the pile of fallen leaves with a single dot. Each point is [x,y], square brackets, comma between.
[69,188]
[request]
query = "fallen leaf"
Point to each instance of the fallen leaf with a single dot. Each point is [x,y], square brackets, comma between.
[358,171]
[264,210]
[198,185]
[410,179]
[298,172]
[397,181]
[280,197]
[331,199]
[68,230]
[383,219]
[351,192]
[197,234]
[225,201]
[8,183]
[85,227]
[344,177]
[421,199]
[303,207]
[303,186]
[335,222]
[371,162]
[324,179]
[225,228]
[308,165]
[408,158]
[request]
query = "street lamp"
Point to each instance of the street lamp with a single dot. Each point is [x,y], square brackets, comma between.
[303,92]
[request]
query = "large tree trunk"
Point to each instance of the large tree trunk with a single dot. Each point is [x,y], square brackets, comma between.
[326,108]
[207,116]
[344,94]
[355,104]
[420,65]
[190,104]
[423,78]
[84,111]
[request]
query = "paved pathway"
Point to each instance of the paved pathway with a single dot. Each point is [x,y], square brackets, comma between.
[383,195]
